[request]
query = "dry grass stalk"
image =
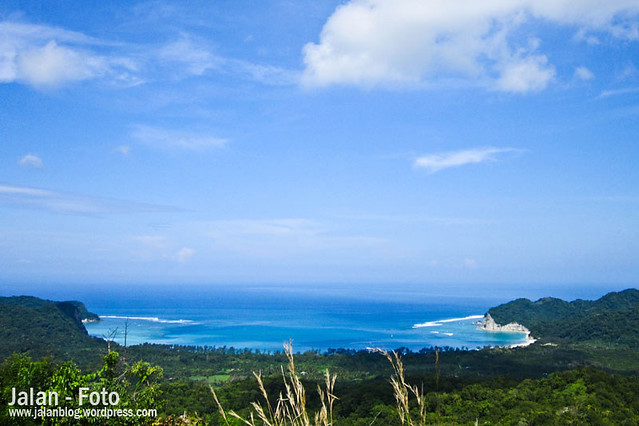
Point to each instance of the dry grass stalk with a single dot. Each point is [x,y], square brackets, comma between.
[403,390]
[219,406]
[325,415]
[291,406]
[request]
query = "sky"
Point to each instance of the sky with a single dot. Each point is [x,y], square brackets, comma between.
[362,141]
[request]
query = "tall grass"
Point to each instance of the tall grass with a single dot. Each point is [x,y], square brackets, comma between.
[290,409]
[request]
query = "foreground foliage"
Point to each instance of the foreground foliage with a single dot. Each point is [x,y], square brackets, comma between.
[580,396]
[135,384]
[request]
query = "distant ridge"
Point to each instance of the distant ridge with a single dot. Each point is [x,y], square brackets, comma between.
[612,319]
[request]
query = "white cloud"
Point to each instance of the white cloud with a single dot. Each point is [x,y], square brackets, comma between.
[30,160]
[51,65]
[528,74]
[584,74]
[436,162]
[372,42]
[184,254]
[163,138]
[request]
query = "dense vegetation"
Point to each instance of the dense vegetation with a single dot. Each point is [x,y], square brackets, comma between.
[585,370]
[39,328]
[579,396]
[613,319]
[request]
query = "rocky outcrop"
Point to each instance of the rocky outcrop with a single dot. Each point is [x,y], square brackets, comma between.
[489,324]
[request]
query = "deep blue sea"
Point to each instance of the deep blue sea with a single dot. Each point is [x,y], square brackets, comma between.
[314,317]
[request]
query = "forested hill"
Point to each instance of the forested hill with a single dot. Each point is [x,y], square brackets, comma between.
[39,327]
[74,308]
[612,319]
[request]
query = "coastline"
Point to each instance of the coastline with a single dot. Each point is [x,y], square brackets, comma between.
[529,341]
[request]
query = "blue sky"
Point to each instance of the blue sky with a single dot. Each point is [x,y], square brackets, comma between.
[319,141]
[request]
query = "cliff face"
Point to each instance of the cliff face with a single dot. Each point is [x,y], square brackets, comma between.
[72,311]
[489,324]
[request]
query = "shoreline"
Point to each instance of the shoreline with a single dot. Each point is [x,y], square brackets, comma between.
[529,341]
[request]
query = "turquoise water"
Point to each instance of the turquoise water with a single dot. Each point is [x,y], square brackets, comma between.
[320,318]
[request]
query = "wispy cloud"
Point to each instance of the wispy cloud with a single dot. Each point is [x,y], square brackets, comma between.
[159,247]
[470,263]
[71,204]
[125,150]
[170,139]
[405,218]
[265,74]
[618,92]
[184,254]
[30,160]
[282,237]
[155,242]
[44,56]
[48,57]
[192,58]
[436,162]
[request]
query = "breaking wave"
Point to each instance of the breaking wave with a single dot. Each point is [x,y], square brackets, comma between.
[152,319]
[437,323]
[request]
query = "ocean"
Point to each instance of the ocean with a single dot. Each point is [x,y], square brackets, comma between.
[314,317]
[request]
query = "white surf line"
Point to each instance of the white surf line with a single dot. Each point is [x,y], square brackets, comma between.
[152,319]
[440,322]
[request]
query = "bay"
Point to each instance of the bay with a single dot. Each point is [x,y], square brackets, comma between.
[314,318]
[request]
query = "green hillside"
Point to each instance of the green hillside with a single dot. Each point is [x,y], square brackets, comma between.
[612,319]
[38,328]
